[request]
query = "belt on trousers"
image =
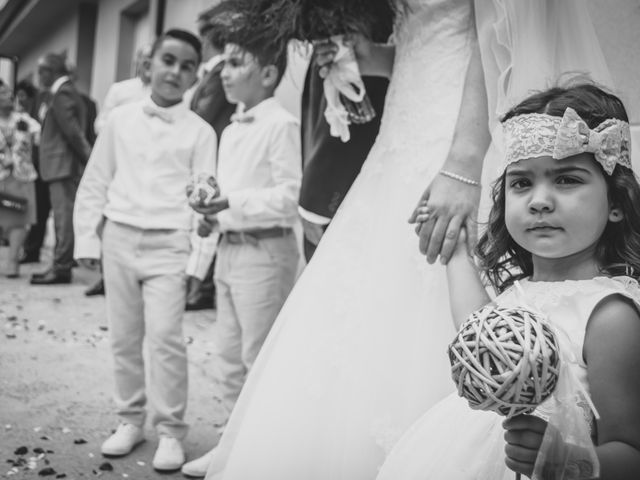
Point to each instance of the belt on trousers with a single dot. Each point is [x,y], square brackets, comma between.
[253,236]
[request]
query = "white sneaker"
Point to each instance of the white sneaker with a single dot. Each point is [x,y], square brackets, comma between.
[125,438]
[169,455]
[198,468]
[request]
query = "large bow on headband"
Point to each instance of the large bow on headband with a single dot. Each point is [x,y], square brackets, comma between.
[538,134]
[609,141]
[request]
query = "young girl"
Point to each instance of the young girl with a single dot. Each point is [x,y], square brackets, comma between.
[564,238]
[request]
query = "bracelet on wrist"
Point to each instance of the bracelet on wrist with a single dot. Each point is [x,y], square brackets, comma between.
[460,178]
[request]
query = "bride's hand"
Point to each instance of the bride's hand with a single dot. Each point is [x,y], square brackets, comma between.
[444,208]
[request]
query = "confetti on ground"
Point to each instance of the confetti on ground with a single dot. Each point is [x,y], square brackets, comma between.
[106,467]
[45,472]
[21,451]
[79,441]
[140,463]
[66,430]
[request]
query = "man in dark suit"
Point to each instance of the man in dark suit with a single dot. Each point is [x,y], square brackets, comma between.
[329,165]
[64,151]
[210,103]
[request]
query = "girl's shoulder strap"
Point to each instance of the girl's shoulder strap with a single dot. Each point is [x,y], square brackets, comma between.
[622,285]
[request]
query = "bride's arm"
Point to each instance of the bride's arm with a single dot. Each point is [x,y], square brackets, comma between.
[454,203]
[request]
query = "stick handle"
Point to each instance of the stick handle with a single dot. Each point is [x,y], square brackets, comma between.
[517,476]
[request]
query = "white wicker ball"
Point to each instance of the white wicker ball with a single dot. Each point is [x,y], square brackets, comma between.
[202,190]
[505,360]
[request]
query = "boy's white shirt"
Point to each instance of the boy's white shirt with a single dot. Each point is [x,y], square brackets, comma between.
[260,169]
[137,175]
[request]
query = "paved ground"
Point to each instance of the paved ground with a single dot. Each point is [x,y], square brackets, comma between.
[55,384]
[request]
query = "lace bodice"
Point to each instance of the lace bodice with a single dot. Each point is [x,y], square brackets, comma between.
[568,306]
[432,50]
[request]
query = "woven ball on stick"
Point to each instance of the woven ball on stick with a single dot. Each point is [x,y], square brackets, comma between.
[202,190]
[505,360]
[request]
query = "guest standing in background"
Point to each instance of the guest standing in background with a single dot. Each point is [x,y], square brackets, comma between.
[18,132]
[127,91]
[330,165]
[64,151]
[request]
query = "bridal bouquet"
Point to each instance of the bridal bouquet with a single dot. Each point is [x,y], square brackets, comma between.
[315,20]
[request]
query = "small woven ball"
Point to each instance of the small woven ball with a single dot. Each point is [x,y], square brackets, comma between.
[202,190]
[505,360]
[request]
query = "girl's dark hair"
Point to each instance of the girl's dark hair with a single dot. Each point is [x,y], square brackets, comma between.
[503,261]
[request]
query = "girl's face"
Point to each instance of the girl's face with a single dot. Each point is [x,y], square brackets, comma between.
[557,209]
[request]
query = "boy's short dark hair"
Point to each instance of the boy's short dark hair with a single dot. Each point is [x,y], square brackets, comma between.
[249,25]
[268,55]
[182,35]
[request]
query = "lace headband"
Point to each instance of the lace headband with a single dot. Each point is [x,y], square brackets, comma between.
[537,134]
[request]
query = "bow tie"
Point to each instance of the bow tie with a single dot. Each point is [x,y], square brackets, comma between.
[242,117]
[155,111]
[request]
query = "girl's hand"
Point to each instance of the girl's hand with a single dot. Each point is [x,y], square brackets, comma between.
[523,435]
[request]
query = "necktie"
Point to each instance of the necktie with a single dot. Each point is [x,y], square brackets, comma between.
[155,111]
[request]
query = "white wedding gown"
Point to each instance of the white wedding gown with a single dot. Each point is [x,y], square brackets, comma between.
[358,351]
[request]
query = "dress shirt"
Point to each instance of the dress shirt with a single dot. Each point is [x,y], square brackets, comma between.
[137,175]
[58,83]
[259,169]
[121,93]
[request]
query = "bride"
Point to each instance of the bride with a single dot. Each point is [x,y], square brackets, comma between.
[358,350]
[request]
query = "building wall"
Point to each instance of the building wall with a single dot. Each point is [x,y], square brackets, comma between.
[183,13]
[106,46]
[64,37]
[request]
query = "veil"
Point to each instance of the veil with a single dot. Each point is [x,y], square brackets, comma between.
[528,46]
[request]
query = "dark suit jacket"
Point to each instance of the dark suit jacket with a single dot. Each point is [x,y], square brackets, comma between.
[210,102]
[92,113]
[64,149]
[329,165]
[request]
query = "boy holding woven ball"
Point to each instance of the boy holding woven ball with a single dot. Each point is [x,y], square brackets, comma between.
[259,173]
[562,240]
[131,208]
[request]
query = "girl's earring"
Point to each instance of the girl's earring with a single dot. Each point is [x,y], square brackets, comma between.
[615,215]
